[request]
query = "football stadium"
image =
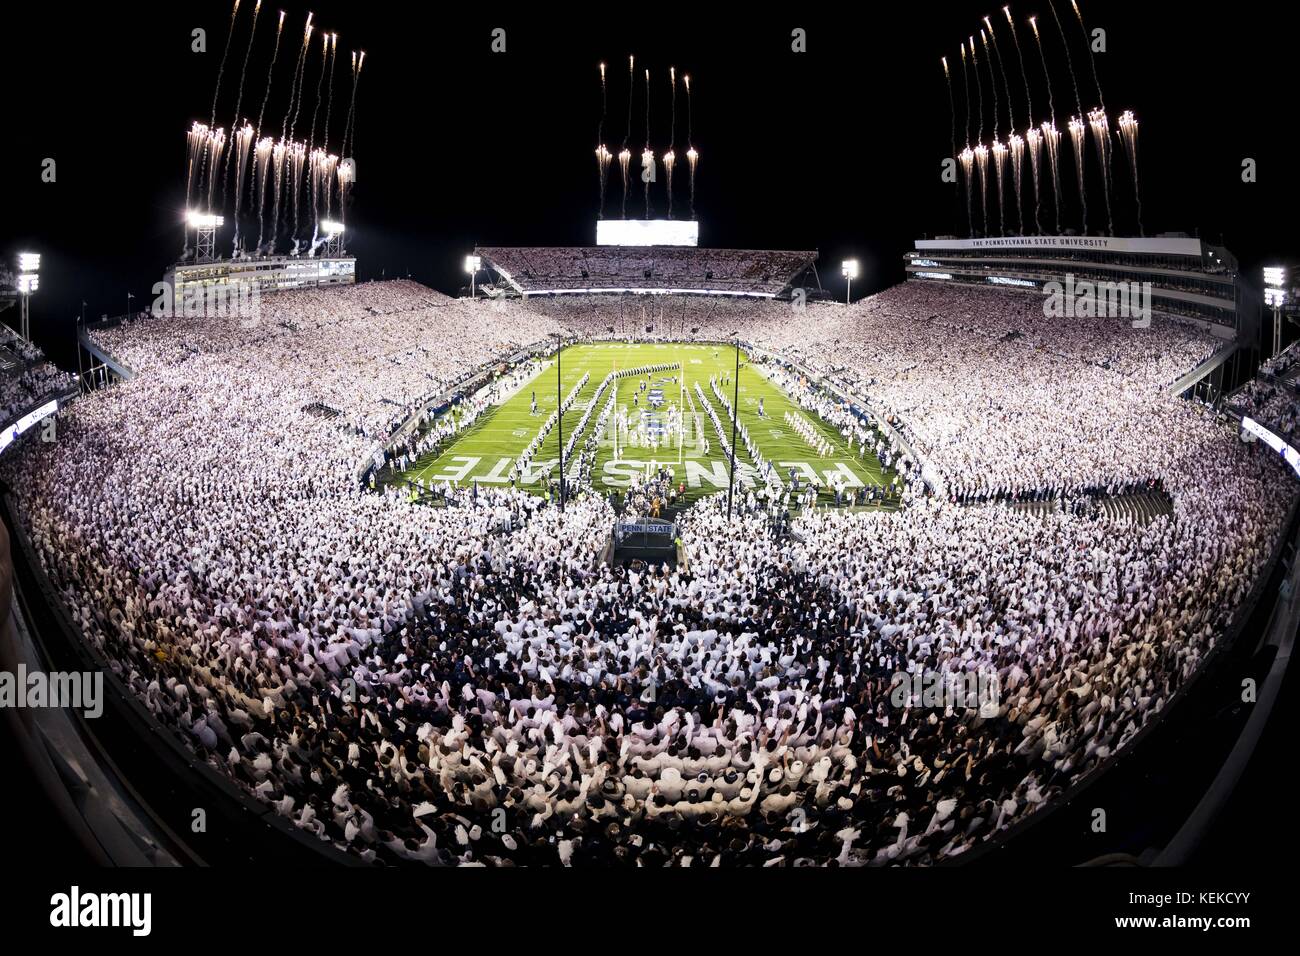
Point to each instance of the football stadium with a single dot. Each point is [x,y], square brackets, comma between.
[642,548]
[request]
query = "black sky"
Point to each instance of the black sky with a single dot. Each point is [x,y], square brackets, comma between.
[836,149]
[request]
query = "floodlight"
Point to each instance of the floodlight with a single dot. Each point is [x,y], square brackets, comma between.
[28,283]
[331,228]
[1275,276]
[473,264]
[203,220]
[849,268]
[29,262]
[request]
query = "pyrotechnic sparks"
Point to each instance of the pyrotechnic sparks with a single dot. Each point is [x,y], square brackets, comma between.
[670,157]
[243,142]
[967,158]
[1017,147]
[239,103]
[1077,132]
[1101,136]
[1128,135]
[1052,143]
[692,156]
[625,154]
[647,155]
[999,166]
[261,161]
[603,155]
[1034,138]
[982,165]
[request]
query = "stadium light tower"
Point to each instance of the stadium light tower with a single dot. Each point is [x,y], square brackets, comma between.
[472,265]
[333,237]
[1275,298]
[205,226]
[849,269]
[29,265]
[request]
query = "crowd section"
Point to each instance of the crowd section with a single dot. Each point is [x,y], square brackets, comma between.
[469,684]
[28,378]
[738,271]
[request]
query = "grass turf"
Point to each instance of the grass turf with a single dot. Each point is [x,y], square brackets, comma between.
[487,451]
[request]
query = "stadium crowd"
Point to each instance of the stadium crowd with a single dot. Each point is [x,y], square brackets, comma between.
[469,684]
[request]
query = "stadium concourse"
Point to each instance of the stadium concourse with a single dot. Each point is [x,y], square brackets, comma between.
[468,684]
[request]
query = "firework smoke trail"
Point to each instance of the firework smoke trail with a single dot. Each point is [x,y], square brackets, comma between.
[1034,138]
[216,143]
[348,178]
[261,162]
[221,71]
[997,157]
[329,112]
[314,165]
[602,154]
[270,76]
[1015,37]
[999,167]
[195,140]
[302,78]
[243,140]
[691,155]
[1092,57]
[670,157]
[1097,120]
[239,103]
[1050,135]
[967,157]
[1017,144]
[647,157]
[624,154]
[299,157]
[277,164]
[993,83]
[320,85]
[1006,85]
[979,92]
[329,103]
[952,110]
[297,71]
[982,165]
[1032,135]
[348,135]
[1101,136]
[1052,144]
[1077,136]
[1128,134]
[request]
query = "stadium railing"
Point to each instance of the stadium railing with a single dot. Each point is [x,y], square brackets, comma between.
[168,780]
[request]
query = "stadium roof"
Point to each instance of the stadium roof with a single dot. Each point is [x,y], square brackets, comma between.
[646,269]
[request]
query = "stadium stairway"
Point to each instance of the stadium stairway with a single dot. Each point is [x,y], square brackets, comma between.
[1138,507]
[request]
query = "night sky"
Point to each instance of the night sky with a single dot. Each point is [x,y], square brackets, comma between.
[836,149]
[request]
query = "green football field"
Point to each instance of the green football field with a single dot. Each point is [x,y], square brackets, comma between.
[647,408]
